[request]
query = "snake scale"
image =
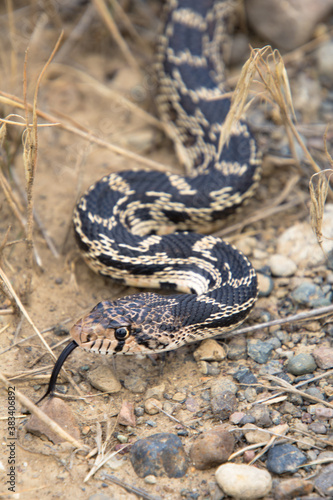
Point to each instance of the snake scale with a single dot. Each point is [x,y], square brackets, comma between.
[143,227]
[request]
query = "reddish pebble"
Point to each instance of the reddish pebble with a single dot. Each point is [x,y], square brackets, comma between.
[323,357]
[212,448]
[236,417]
[248,456]
[292,488]
[324,413]
[126,415]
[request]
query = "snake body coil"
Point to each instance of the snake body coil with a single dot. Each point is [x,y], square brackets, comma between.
[140,227]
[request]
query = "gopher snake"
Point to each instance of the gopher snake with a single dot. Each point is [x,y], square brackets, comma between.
[138,226]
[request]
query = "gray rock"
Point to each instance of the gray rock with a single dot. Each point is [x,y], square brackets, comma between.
[318,428]
[245,376]
[286,24]
[324,482]
[135,383]
[259,350]
[311,295]
[222,384]
[273,367]
[224,404]
[301,364]
[243,481]
[237,349]
[158,455]
[284,458]
[314,391]
[261,414]
[282,266]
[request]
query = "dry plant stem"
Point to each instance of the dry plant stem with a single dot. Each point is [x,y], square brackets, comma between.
[37,219]
[171,417]
[131,489]
[41,415]
[285,386]
[110,24]
[320,311]
[30,159]
[85,134]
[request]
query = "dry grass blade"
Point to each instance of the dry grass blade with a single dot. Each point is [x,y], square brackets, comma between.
[112,27]
[41,415]
[285,386]
[131,489]
[273,76]
[318,195]
[238,100]
[315,313]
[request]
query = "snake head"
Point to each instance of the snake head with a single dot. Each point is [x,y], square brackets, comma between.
[123,326]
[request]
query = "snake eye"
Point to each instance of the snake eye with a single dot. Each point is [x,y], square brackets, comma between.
[121,333]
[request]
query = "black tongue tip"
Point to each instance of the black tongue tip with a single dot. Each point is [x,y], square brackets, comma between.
[57,367]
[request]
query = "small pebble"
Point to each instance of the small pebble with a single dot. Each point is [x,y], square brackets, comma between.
[323,357]
[237,349]
[212,448]
[314,391]
[265,285]
[224,404]
[60,412]
[311,295]
[180,397]
[236,417]
[282,266]
[159,454]
[262,416]
[222,384]
[209,350]
[152,406]
[135,383]
[150,479]
[126,415]
[155,392]
[245,376]
[254,435]
[318,428]
[323,413]
[301,364]
[290,489]
[243,481]
[259,351]
[283,458]
[104,379]
[324,481]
